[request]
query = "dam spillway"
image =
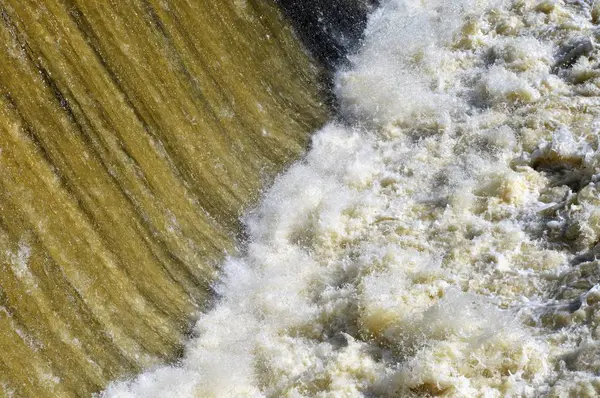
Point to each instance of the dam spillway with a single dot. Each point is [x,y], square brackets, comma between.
[133,136]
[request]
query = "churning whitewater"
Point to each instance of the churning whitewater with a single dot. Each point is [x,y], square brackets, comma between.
[440,241]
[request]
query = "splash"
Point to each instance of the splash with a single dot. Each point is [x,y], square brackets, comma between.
[441,242]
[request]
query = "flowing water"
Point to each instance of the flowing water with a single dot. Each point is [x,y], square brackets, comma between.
[133,133]
[441,239]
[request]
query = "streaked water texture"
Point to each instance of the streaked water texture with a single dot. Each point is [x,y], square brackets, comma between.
[133,133]
[441,241]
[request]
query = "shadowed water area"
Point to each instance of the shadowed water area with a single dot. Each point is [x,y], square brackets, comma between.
[133,135]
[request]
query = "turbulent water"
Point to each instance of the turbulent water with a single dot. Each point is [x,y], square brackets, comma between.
[441,240]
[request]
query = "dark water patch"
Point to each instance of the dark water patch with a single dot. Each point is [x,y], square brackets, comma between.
[330,29]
